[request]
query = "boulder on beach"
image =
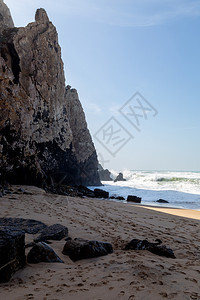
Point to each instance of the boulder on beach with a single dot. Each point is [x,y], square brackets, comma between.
[29,226]
[134,199]
[41,252]
[83,191]
[12,252]
[162,201]
[99,193]
[117,197]
[80,249]
[120,177]
[54,232]
[120,198]
[155,248]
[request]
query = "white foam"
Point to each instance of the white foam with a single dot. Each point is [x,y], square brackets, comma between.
[181,189]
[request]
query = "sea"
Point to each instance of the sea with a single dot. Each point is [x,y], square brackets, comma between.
[180,189]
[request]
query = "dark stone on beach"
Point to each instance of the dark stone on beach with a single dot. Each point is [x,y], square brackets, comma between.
[85,191]
[162,201]
[12,252]
[155,248]
[42,252]
[120,177]
[136,244]
[101,193]
[117,198]
[162,251]
[81,249]
[54,232]
[28,225]
[134,199]
[79,194]
[120,198]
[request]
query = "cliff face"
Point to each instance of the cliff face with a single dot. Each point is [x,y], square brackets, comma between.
[5,17]
[43,132]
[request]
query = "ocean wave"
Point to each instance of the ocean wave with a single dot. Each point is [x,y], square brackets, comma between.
[178,188]
[178,179]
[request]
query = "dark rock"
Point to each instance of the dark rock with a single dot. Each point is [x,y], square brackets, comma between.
[42,252]
[12,252]
[120,198]
[85,191]
[28,225]
[134,199]
[104,174]
[155,248]
[81,249]
[53,232]
[162,251]
[100,193]
[5,17]
[162,201]
[120,177]
[136,244]
[90,195]
[117,198]
[79,194]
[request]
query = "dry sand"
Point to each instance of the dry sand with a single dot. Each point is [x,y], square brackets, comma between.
[125,275]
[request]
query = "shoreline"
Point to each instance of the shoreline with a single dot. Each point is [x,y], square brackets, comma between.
[132,275]
[176,198]
[180,212]
[155,206]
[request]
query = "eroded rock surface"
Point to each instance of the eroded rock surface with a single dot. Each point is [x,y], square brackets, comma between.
[43,133]
[12,252]
[99,193]
[80,249]
[104,174]
[134,199]
[5,17]
[120,177]
[29,226]
[155,248]
[54,232]
[42,252]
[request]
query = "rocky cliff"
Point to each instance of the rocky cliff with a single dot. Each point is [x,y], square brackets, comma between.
[43,131]
[5,17]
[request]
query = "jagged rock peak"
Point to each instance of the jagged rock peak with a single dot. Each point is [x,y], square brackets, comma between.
[5,17]
[41,16]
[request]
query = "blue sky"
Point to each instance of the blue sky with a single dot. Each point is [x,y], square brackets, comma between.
[112,49]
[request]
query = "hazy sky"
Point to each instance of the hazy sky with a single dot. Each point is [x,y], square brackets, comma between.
[114,48]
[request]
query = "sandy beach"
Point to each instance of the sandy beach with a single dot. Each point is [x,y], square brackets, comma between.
[121,275]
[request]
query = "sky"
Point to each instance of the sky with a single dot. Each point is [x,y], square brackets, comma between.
[136,66]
